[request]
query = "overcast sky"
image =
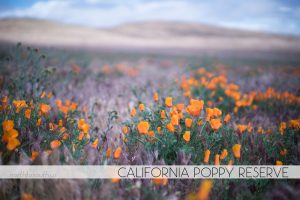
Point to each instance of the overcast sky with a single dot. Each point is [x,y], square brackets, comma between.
[279,16]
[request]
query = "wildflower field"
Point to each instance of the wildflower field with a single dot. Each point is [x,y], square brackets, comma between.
[84,107]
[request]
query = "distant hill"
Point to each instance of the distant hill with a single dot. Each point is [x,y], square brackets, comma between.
[153,34]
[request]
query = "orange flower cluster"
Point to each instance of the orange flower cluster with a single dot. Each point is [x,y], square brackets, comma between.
[219,157]
[66,107]
[212,112]
[19,104]
[195,107]
[10,135]
[84,128]
[241,128]
[211,82]
[295,124]
[232,91]
[271,93]
[218,81]
[120,68]
[187,84]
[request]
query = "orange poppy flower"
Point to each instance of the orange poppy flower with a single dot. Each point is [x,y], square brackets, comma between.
[200,122]
[155,97]
[67,103]
[160,181]
[174,111]
[206,156]
[159,130]
[162,114]
[241,128]
[212,112]
[180,107]
[151,135]
[236,150]
[73,106]
[12,143]
[118,153]
[195,107]
[49,95]
[108,152]
[27,113]
[125,129]
[58,103]
[142,107]
[7,125]
[209,103]
[43,95]
[80,136]
[279,163]
[209,113]
[204,190]
[12,133]
[64,109]
[26,196]
[60,123]
[95,143]
[195,102]
[223,154]
[227,118]
[175,120]
[39,121]
[283,152]
[52,126]
[215,124]
[170,127]
[260,130]
[217,159]
[168,101]
[235,109]
[66,136]
[249,127]
[143,127]
[294,124]
[132,112]
[282,127]
[44,108]
[34,155]
[193,110]
[19,104]
[55,144]
[187,136]
[115,180]
[62,130]
[188,122]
